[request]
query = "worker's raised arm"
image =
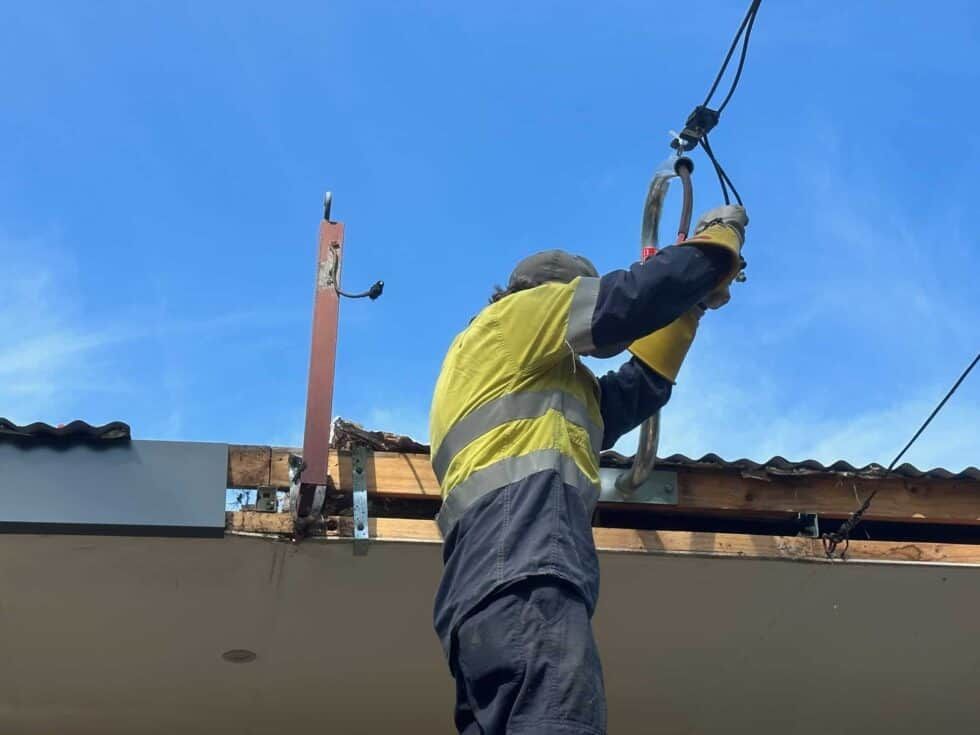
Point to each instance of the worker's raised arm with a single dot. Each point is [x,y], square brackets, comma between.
[655,308]
[610,312]
[628,397]
[633,303]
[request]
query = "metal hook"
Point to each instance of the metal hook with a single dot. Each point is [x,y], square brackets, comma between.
[675,166]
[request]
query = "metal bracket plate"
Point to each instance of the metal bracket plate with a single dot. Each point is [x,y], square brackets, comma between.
[359,457]
[809,525]
[266,499]
[659,489]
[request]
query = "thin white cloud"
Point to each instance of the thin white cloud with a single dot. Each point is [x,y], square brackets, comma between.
[44,356]
[29,354]
[51,360]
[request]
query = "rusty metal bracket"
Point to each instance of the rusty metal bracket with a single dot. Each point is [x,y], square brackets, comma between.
[323,357]
[308,476]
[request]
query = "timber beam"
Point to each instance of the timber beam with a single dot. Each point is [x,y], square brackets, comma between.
[700,491]
[624,540]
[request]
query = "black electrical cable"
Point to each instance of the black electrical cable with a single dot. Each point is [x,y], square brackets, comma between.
[731,186]
[936,410]
[372,293]
[726,183]
[741,61]
[714,162]
[747,22]
[706,122]
[377,288]
[842,535]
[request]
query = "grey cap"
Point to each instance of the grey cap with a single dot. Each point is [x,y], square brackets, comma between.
[552,265]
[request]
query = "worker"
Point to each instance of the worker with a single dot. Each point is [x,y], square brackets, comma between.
[517,424]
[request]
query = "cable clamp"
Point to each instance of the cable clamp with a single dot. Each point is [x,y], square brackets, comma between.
[699,123]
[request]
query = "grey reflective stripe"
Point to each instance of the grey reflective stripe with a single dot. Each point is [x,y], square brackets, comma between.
[508,471]
[527,405]
[584,300]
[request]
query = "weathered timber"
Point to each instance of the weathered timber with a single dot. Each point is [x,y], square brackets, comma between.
[633,541]
[910,500]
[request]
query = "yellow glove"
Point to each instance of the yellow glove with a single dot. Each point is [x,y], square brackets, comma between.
[724,228]
[665,350]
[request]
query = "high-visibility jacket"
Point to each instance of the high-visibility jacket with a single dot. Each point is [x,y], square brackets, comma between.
[514,399]
[518,421]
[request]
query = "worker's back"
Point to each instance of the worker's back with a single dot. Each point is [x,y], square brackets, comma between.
[511,386]
[516,431]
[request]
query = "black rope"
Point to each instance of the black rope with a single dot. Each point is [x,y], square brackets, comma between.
[842,535]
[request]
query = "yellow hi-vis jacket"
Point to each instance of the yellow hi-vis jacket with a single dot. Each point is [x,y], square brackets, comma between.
[513,399]
[517,423]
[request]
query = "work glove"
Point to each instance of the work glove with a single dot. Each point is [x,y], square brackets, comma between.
[665,350]
[719,297]
[722,228]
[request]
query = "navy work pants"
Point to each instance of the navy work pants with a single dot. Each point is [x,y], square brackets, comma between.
[526,662]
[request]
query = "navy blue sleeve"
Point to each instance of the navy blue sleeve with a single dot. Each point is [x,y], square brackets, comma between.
[633,303]
[629,396]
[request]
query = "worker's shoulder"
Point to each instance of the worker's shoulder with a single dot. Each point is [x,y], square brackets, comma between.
[511,313]
[547,294]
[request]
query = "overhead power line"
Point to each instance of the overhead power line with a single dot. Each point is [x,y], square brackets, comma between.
[843,534]
[704,118]
[747,22]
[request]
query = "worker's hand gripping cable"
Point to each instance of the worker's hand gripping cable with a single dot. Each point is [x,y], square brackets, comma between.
[720,233]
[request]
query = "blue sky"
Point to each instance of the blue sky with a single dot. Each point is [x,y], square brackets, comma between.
[162,166]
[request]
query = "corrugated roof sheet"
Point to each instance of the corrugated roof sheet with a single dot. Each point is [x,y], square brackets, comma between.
[77,431]
[346,434]
[780,466]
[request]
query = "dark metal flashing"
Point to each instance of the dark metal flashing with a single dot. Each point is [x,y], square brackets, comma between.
[76,432]
[110,529]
